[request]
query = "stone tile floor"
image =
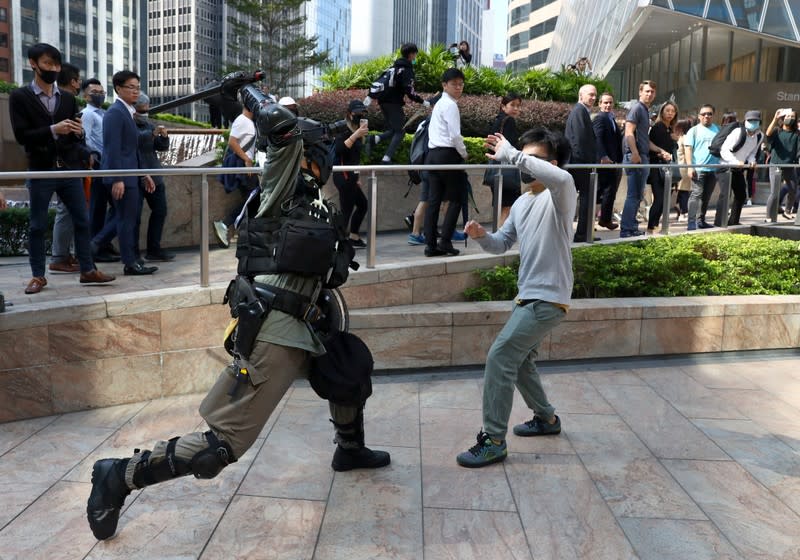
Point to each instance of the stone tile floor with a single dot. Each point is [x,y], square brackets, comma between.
[676,458]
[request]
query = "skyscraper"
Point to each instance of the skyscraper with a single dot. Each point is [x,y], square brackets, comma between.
[98,36]
[6,61]
[530,32]
[453,21]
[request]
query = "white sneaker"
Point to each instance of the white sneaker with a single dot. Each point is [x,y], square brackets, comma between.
[222,233]
[749,202]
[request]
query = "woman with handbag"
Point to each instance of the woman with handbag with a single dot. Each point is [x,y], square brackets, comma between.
[663,136]
[505,124]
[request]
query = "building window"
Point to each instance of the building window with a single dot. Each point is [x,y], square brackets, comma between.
[3,40]
[3,14]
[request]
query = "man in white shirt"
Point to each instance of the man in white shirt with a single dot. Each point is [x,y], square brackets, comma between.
[740,149]
[242,142]
[445,146]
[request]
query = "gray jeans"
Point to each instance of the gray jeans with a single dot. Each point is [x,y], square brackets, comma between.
[63,234]
[511,362]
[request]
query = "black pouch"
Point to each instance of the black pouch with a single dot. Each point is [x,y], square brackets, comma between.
[305,247]
[251,317]
[343,374]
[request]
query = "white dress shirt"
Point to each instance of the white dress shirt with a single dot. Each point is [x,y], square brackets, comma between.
[444,130]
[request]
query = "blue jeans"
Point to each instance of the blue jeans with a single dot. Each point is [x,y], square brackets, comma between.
[636,181]
[70,191]
[511,361]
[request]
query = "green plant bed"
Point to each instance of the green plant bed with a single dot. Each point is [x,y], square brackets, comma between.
[686,265]
[14,229]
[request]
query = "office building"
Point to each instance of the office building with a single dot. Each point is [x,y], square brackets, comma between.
[98,36]
[6,58]
[411,23]
[531,26]
[329,21]
[736,54]
[453,21]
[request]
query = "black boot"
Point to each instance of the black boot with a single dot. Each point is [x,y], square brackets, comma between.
[109,491]
[358,458]
[351,453]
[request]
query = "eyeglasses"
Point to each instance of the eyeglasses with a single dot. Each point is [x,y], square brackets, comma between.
[706,114]
[132,88]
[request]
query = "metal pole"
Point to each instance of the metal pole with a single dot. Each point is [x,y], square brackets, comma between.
[590,208]
[499,198]
[373,218]
[204,230]
[774,194]
[723,202]
[667,201]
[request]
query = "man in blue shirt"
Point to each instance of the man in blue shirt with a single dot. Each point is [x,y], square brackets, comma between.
[704,179]
[636,149]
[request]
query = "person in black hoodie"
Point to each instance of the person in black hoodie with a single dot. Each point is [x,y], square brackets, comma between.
[392,106]
[46,122]
[348,152]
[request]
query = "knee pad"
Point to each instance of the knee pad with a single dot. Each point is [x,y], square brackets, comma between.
[208,462]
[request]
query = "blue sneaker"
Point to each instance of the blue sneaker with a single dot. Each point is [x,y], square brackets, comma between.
[458,236]
[483,453]
[691,226]
[416,239]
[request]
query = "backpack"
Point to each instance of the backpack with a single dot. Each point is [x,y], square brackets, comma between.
[379,89]
[418,150]
[719,139]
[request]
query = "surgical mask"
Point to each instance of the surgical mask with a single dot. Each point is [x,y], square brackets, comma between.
[788,122]
[751,126]
[142,116]
[97,99]
[48,76]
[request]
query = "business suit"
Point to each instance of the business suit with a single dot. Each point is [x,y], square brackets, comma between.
[120,151]
[582,141]
[609,145]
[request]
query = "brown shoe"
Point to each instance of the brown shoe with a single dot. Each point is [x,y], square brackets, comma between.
[96,277]
[35,285]
[611,226]
[65,266]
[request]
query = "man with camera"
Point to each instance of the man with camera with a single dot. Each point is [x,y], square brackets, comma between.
[46,123]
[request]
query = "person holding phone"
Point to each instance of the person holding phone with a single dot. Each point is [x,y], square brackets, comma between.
[348,152]
[784,145]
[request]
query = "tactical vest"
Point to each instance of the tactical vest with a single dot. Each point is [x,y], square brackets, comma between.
[306,239]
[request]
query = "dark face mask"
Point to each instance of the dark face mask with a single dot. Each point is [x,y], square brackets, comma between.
[48,76]
[97,99]
[526,178]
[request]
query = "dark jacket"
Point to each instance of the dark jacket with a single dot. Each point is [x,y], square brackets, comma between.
[31,124]
[661,136]
[580,135]
[120,143]
[509,129]
[404,83]
[346,156]
[608,137]
[148,146]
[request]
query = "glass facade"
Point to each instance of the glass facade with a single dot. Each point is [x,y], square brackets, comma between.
[694,49]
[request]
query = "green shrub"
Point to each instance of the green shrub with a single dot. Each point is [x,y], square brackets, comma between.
[177,119]
[687,265]
[538,84]
[6,87]
[14,227]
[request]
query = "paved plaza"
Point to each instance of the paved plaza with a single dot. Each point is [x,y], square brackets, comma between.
[676,458]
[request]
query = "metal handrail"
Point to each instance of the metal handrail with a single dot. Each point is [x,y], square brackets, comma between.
[373,170]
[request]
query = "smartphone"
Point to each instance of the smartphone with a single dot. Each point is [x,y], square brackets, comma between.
[363,122]
[78,115]
[785,112]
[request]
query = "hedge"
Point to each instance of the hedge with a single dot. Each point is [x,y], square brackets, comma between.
[685,265]
[477,111]
[14,228]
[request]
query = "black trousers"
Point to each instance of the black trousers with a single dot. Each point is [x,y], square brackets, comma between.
[352,200]
[583,184]
[739,188]
[395,119]
[657,207]
[444,185]
[157,202]
[607,185]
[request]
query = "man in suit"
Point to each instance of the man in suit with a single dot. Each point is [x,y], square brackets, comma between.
[46,123]
[120,151]
[609,149]
[580,134]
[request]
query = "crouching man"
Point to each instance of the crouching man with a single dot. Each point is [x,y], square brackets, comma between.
[541,220]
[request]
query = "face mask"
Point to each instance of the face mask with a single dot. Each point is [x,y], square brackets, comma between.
[142,116]
[48,76]
[97,99]
[788,122]
[526,178]
[751,126]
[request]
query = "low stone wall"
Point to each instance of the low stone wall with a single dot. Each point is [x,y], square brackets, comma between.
[102,351]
